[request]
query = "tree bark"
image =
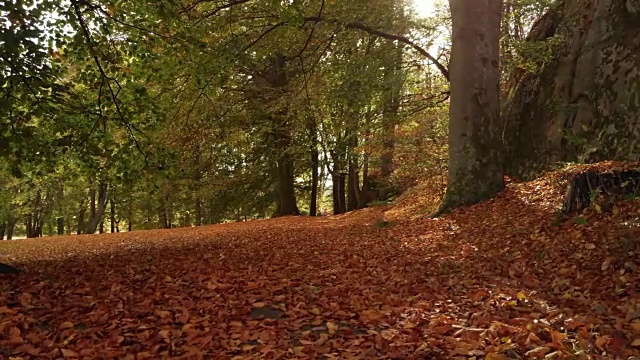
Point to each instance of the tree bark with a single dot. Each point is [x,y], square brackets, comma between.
[391,106]
[3,226]
[60,223]
[93,223]
[92,201]
[198,210]
[163,221]
[475,144]
[339,198]
[10,227]
[315,163]
[353,195]
[276,77]
[81,215]
[112,215]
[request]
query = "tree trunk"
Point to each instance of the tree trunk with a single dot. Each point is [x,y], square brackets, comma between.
[163,222]
[198,210]
[339,203]
[286,189]
[353,195]
[112,215]
[3,226]
[49,227]
[60,223]
[93,223]
[92,201]
[130,213]
[277,80]
[31,226]
[81,215]
[475,171]
[391,105]
[10,227]
[315,163]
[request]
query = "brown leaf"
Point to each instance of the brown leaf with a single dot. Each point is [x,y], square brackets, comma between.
[66,325]
[68,353]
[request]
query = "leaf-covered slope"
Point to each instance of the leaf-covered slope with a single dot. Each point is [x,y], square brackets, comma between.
[494,280]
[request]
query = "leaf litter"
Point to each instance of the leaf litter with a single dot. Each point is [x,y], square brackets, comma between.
[504,279]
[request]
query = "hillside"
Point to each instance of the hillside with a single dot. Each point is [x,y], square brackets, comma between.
[504,279]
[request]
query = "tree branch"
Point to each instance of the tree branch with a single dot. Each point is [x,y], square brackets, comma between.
[373,31]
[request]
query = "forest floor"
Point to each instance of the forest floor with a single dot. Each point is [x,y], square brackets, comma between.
[500,280]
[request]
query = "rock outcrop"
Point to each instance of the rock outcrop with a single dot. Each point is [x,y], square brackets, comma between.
[582,104]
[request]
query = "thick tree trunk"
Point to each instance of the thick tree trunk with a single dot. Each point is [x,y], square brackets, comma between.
[276,78]
[287,203]
[93,223]
[286,189]
[475,171]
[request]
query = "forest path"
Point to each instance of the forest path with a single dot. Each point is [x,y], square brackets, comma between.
[497,280]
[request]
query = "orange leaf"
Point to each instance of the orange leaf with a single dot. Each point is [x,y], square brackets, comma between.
[68,353]
[66,325]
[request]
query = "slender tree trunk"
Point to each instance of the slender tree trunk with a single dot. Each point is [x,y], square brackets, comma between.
[339,206]
[81,224]
[50,226]
[93,223]
[101,227]
[92,202]
[10,227]
[163,220]
[354,186]
[198,210]
[170,219]
[112,214]
[315,163]
[130,213]
[3,226]
[33,226]
[475,144]
[342,180]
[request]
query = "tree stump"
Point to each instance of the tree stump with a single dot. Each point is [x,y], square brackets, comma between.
[588,186]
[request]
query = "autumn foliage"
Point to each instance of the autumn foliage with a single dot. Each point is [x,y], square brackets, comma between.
[504,279]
